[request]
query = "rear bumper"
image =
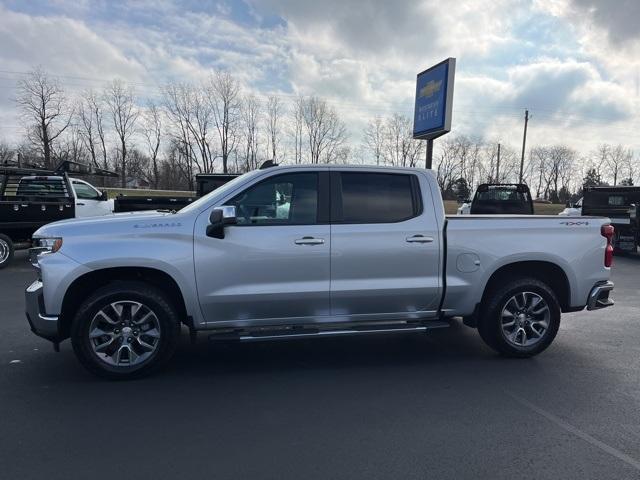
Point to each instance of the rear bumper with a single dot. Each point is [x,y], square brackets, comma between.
[43,325]
[599,296]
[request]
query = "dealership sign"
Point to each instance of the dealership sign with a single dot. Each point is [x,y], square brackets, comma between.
[434,100]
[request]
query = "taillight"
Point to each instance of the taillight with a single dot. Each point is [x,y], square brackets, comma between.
[607,232]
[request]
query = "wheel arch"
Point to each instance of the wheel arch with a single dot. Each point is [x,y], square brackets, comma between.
[548,272]
[85,284]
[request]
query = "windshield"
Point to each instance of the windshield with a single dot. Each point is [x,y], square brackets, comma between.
[502,195]
[219,192]
[501,199]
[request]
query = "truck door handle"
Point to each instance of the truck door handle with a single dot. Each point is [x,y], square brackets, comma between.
[309,241]
[80,203]
[419,239]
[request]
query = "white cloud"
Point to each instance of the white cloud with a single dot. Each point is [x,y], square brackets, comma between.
[362,56]
[62,45]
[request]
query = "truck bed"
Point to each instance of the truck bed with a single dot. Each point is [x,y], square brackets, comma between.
[475,241]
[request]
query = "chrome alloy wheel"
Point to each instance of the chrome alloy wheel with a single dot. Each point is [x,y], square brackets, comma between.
[525,319]
[4,251]
[124,333]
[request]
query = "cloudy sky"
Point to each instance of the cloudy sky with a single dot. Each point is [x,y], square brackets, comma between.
[575,64]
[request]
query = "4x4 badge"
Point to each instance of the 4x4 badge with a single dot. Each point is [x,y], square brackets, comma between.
[574,224]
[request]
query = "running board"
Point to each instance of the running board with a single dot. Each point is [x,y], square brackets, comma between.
[311,332]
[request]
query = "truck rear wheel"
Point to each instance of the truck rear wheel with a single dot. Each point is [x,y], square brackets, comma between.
[520,317]
[125,330]
[6,250]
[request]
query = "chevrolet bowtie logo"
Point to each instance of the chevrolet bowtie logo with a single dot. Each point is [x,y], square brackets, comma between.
[430,89]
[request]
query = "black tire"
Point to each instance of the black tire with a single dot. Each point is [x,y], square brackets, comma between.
[6,250]
[490,323]
[126,291]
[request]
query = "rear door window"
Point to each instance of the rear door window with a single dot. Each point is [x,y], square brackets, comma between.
[376,198]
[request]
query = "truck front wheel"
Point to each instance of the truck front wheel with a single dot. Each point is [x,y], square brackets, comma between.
[520,318]
[125,330]
[6,250]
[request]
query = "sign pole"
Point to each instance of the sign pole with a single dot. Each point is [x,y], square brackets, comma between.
[524,143]
[429,158]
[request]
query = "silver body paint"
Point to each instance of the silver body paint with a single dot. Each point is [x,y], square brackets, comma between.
[259,275]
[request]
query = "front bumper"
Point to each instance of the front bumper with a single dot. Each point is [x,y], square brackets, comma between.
[43,325]
[599,296]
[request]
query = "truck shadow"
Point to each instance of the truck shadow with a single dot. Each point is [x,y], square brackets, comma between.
[445,356]
[455,344]
[457,348]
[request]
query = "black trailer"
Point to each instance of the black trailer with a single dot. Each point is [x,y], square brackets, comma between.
[33,197]
[206,183]
[136,203]
[622,206]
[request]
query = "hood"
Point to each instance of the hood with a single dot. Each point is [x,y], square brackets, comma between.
[101,223]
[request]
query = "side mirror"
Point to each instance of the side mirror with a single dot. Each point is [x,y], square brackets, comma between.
[105,196]
[219,218]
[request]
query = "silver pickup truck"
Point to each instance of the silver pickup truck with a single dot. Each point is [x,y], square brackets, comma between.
[299,252]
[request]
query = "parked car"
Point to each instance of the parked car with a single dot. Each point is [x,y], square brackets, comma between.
[301,252]
[31,198]
[621,205]
[499,198]
[206,183]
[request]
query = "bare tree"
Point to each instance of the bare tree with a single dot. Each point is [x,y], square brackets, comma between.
[225,103]
[508,169]
[137,165]
[631,168]
[555,168]
[326,133]
[152,131]
[448,169]
[71,146]
[6,153]
[539,157]
[250,119]
[121,103]
[45,108]
[399,148]
[374,137]
[617,159]
[274,119]
[91,127]
[297,127]
[600,157]
[199,121]
[177,103]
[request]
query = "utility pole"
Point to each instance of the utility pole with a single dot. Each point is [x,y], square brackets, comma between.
[498,166]
[524,143]
[429,158]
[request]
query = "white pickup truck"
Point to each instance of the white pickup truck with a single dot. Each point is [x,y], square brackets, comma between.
[298,252]
[29,201]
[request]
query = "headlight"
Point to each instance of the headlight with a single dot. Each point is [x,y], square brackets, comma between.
[43,246]
[48,245]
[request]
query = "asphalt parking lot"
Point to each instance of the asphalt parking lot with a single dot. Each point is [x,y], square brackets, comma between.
[438,405]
